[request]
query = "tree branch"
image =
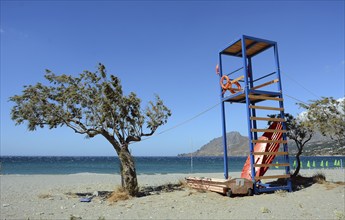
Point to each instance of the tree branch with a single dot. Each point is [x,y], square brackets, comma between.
[112,140]
[308,139]
[132,138]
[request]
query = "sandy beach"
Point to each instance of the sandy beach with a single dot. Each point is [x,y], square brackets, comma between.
[55,197]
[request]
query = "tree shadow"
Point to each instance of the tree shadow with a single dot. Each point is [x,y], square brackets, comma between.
[301,182]
[144,191]
[156,190]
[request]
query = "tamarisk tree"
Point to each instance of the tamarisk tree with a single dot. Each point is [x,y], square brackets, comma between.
[92,104]
[327,116]
[297,132]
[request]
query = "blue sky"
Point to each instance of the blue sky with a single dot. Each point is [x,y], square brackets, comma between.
[169,48]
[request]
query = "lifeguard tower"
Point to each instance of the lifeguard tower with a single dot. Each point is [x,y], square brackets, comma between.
[262,94]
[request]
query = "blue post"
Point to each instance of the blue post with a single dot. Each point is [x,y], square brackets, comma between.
[282,114]
[250,70]
[226,172]
[247,90]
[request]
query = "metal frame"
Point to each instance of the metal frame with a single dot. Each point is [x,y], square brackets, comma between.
[251,112]
[226,172]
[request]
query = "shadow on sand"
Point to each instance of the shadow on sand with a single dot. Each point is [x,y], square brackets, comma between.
[300,182]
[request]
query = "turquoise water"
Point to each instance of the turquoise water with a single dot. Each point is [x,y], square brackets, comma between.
[144,165]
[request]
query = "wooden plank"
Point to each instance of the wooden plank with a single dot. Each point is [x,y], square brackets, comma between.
[266,108]
[253,97]
[219,189]
[235,48]
[271,153]
[272,177]
[268,130]
[213,188]
[270,141]
[257,48]
[266,84]
[236,89]
[211,184]
[272,165]
[237,79]
[239,97]
[207,180]
[267,119]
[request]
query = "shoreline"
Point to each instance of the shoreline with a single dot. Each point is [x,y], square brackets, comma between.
[50,197]
[173,173]
[160,165]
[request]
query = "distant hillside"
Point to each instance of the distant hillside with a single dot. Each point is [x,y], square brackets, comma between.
[238,146]
[320,145]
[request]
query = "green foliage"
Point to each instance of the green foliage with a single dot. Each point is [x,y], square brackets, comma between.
[327,116]
[90,104]
[298,132]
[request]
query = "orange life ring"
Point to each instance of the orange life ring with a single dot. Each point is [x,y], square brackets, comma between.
[227,85]
[232,89]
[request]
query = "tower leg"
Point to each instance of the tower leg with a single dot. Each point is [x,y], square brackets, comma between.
[247,90]
[226,171]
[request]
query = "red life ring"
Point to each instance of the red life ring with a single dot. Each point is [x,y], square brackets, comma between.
[232,89]
[227,85]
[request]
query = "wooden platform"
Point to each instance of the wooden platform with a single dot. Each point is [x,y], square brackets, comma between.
[226,187]
[253,47]
[211,184]
[255,96]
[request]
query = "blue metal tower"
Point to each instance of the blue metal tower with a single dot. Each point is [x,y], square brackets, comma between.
[244,85]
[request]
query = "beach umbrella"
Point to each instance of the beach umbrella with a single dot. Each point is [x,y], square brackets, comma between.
[321,164]
[294,164]
[301,164]
[326,163]
[308,164]
[314,165]
[335,163]
[277,166]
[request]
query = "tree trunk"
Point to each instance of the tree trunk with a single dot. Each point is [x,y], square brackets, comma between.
[122,181]
[298,165]
[128,172]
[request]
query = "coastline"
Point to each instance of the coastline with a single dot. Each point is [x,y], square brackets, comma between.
[47,197]
[144,165]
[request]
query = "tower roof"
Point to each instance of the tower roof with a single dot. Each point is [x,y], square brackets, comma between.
[253,46]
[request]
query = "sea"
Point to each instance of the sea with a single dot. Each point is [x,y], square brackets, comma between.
[144,165]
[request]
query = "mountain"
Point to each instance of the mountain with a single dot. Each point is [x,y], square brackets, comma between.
[238,146]
[319,146]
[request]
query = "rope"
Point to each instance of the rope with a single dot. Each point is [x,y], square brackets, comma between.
[301,85]
[291,97]
[212,107]
[182,123]
[198,115]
